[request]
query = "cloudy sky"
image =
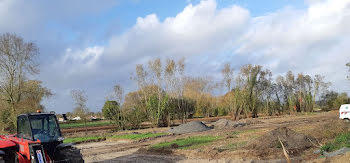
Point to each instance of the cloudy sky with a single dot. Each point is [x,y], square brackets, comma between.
[94,44]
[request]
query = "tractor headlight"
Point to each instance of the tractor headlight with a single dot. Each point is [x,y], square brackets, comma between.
[60,138]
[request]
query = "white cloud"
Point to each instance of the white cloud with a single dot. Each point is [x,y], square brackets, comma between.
[196,30]
[312,40]
[87,57]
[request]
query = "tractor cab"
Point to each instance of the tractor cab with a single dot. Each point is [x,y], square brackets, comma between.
[38,140]
[39,126]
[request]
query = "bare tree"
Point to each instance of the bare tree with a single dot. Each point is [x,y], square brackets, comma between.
[17,61]
[150,81]
[180,88]
[142,82]
[320,87]
[80,108]
[227,73]
[118,93]
[171,83]
[199,89]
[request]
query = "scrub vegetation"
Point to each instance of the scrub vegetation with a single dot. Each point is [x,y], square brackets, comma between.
[111,136]
[187,143]
[82,124]
[138,136]
[341,140]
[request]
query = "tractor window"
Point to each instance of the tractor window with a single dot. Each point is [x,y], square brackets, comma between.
[44,127]
[40,124]
[23,128]
[53,126]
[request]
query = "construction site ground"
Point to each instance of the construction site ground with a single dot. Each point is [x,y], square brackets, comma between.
[232,147]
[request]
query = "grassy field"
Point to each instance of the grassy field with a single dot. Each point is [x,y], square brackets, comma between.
[137,136]
[341,140]
[187,143]
[82,124]
[232,146]
[127,136]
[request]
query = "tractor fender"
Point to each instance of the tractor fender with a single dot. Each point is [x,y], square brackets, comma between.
[63,145]
[6,143]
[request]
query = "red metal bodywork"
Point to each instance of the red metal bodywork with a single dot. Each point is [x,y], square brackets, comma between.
[21,159]
[6,143]
[23,152]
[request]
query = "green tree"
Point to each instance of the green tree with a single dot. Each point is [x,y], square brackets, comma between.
[342,98]
[111,111]
[328,101]
[134,110]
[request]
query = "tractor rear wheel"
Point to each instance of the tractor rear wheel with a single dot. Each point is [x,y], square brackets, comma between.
[69,154]
[2,159]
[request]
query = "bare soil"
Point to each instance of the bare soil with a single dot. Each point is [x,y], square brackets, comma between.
[269,144]
[235,144]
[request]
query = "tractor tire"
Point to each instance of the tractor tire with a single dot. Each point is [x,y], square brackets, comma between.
[70,154]
[2,159]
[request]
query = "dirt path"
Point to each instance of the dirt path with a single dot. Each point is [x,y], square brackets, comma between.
[128,151]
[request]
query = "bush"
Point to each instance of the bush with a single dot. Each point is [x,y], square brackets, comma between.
[8,125]
[189,142]
[111,111]
[134,118]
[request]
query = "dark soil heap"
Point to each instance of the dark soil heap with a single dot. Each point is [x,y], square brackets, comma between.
[194,126]
[294,142]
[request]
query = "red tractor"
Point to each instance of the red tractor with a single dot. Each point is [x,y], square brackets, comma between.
[38,140]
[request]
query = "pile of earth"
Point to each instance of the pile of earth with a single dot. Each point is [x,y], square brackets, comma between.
[295,143]
[194,126]
[224,123]
[250,121]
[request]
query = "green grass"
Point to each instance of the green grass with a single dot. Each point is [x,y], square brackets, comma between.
[97,138]
[188,143]
[137,136]
[82,124]
[341,140]
[83,139]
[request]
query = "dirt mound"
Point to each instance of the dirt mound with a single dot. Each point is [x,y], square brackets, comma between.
[294,142]
[250,121]
[224,123]
[194,126]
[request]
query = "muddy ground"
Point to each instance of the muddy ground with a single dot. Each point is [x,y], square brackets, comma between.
[320,127]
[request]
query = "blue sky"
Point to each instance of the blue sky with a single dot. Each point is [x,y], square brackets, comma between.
[94,44]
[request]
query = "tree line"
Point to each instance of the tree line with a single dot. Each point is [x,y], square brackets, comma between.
[166,93]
